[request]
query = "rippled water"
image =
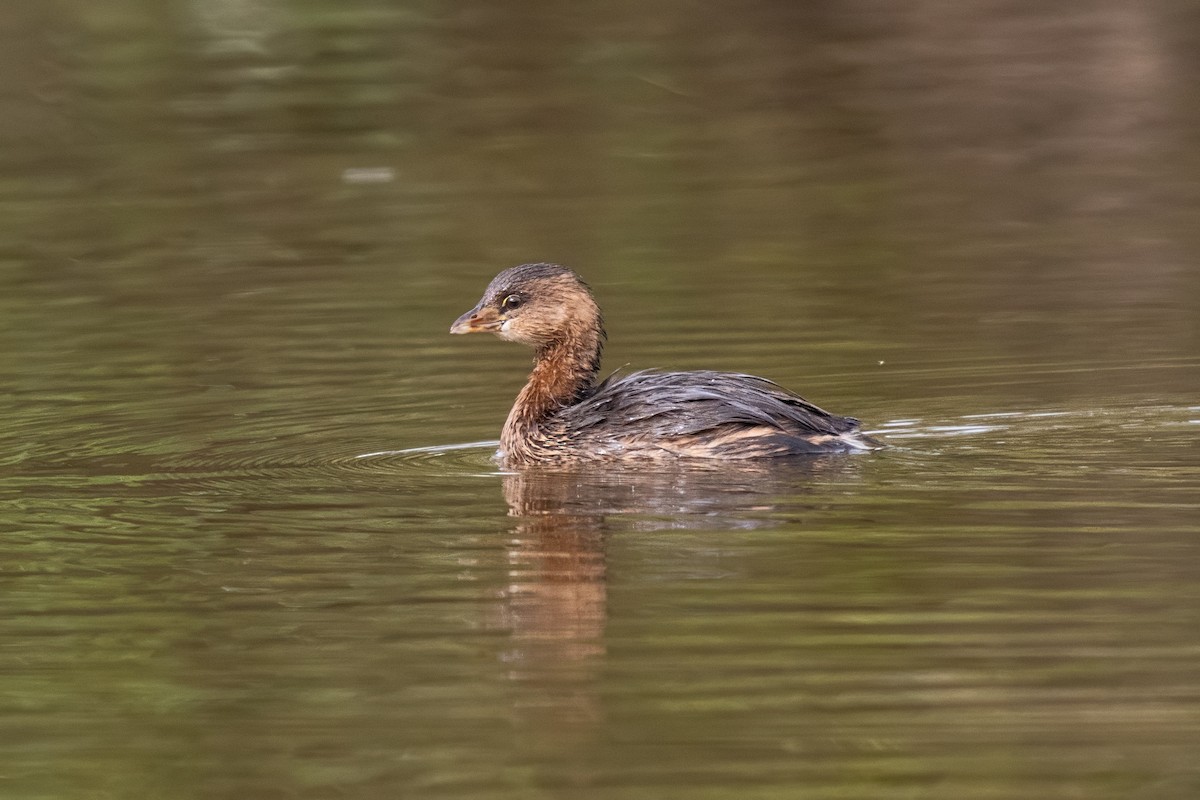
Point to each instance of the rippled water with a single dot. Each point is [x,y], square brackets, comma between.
[252,541]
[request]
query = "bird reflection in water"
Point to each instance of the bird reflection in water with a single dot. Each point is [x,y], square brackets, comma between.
[555,603]
[555,606]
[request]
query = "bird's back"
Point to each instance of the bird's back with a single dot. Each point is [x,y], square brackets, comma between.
[697,414]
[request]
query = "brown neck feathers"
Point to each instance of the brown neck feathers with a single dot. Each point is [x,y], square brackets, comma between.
[564,372]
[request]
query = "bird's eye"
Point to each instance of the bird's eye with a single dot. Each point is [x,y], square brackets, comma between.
[511,302]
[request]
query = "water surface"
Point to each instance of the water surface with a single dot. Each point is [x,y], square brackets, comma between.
[253,543]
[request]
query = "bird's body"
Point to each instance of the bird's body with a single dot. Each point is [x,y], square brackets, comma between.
[564,416]
[705,414]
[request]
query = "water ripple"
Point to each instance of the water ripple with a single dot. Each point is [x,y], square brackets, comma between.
[447,458]
[1046,436]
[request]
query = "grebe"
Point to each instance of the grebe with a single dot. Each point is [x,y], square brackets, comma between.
[564,416]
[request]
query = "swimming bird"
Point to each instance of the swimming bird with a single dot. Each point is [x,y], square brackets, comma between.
[564,415]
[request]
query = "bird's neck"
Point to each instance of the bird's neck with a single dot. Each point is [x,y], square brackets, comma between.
[564,372]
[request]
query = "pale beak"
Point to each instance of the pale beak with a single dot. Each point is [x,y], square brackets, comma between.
[477,320]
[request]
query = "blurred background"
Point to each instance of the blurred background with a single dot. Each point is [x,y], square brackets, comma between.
[237,186]
[234,233]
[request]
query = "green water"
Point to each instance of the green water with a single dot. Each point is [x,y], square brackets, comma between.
[252,544]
